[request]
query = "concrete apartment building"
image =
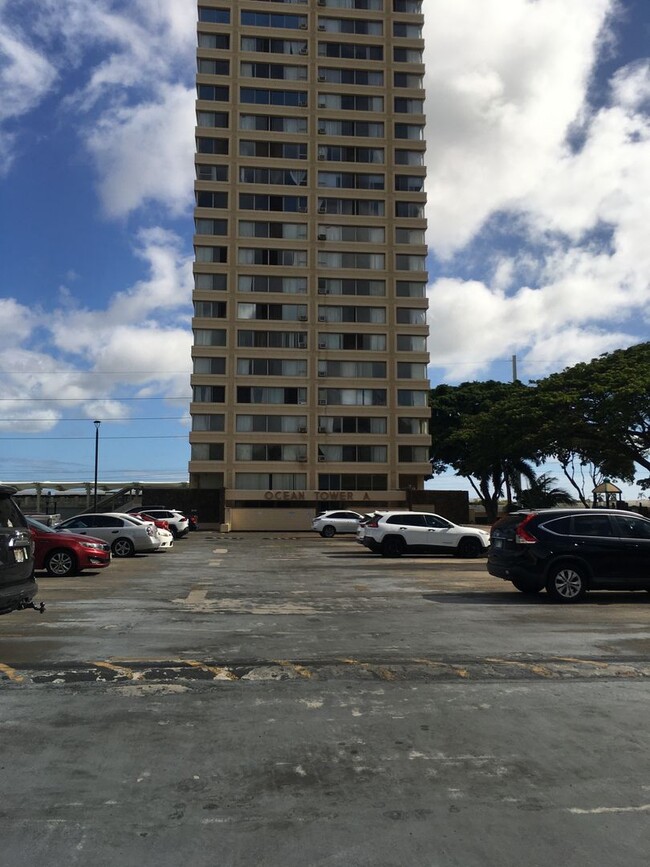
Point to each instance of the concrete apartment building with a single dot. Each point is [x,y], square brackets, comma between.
[310,364]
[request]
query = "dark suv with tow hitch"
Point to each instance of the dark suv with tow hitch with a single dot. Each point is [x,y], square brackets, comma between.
[570,551]
[17,584]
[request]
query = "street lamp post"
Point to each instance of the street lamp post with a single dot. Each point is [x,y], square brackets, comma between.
[97,424]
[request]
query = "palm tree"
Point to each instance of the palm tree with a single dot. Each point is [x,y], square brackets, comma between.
[542,495]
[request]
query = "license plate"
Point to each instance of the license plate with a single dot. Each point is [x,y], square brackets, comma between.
[497,543]
[20,555]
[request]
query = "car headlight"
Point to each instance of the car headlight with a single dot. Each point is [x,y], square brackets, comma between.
[93,546]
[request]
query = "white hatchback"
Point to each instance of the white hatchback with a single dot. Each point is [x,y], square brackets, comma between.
[395,533]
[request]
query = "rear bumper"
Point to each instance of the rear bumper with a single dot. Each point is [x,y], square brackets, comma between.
[515,572]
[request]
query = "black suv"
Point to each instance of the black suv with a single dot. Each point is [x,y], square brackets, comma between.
[17,584]
[570,551]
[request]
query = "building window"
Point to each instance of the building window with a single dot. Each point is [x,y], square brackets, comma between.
[212,282]
[211,254]
[351,180]
[410,263]
[406,397]
[401,30]
[410,289]
[408,79]
[413,454]
[352,207]
[352,342]
[209,336]
[352,482]
[212,67]
[214,16]
[271,367]
[210,309]
[359,77]
[409,183]
[332,286]
[264,283]
[413,426]
[412,131]
[210,227]
[353,453]
[261,395]
[213,92]
[212,119]
[215,40]
[410,210]
[272,123]
[354,369]
[409,158]
[271,424]
[213,146]
[414,237]
[352,396]
[205,422]
[209,365]
[286,312]
[358,128]
[209,199]
[411,370]
[352,424]
[350,102]
[270,481]
[264,96]
[270,452]
[357,26]
[375,315]
[273,70]
[273,46]
[402,105]
[206,452]
[366,261]
[285,177]
[272,339]
[411,343]
[348,51]
[275,257]
[273,150]
[272,19]
[209,393]
[262,202]
[411,316]
[349,154]
[266,229]
[407,55]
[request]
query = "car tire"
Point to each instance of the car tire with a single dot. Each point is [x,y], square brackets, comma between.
[328,531]
[173,530]
[567,583]
[61,563]
[469,547]
[393,546]
[123,547]
[526,587]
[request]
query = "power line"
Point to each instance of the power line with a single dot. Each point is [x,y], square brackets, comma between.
[90,438]
[86,399]
[104,421]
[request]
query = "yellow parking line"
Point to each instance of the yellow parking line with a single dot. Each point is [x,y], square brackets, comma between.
[454,669]
[221,672]
[120,669]
[11,673]
[302,670]
[533,667]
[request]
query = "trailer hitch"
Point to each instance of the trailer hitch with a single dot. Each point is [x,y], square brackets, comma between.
[40,608]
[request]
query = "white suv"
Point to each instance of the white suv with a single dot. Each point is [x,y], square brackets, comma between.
[397,533]
[338,521]
[179,525]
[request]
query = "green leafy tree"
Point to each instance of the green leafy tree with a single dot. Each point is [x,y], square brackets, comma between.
[480,430]
[541,494]
[599,413]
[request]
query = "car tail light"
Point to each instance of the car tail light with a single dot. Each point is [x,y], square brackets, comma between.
[522,535]
[374,523]
[151,530]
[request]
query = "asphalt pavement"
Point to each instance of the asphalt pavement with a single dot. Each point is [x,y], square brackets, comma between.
[281,699]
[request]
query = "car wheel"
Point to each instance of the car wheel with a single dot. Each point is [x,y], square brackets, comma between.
[526,587]
[61,563]
[469,547]
[393,546]
[174,531]
[328,531]
[566,583]
[123,548]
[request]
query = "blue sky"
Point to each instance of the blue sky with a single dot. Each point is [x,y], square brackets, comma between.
[539,172]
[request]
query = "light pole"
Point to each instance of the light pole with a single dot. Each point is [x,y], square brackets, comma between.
[97,424]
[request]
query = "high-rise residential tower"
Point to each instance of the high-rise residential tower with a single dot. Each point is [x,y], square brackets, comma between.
[310,364]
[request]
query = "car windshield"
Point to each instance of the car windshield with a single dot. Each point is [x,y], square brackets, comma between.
[37,525]
[134,520]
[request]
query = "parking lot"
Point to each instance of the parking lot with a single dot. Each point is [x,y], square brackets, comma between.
[282,699]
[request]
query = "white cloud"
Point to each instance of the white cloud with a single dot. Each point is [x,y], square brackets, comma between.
[578,218]
[144,153]
[504,81]
[140,345]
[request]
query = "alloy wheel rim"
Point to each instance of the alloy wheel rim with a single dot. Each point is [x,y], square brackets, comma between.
[568,583]
[60,563]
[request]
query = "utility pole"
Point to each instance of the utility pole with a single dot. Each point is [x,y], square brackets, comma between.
[97,424]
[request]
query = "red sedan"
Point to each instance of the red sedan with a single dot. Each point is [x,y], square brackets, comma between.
[64,554]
